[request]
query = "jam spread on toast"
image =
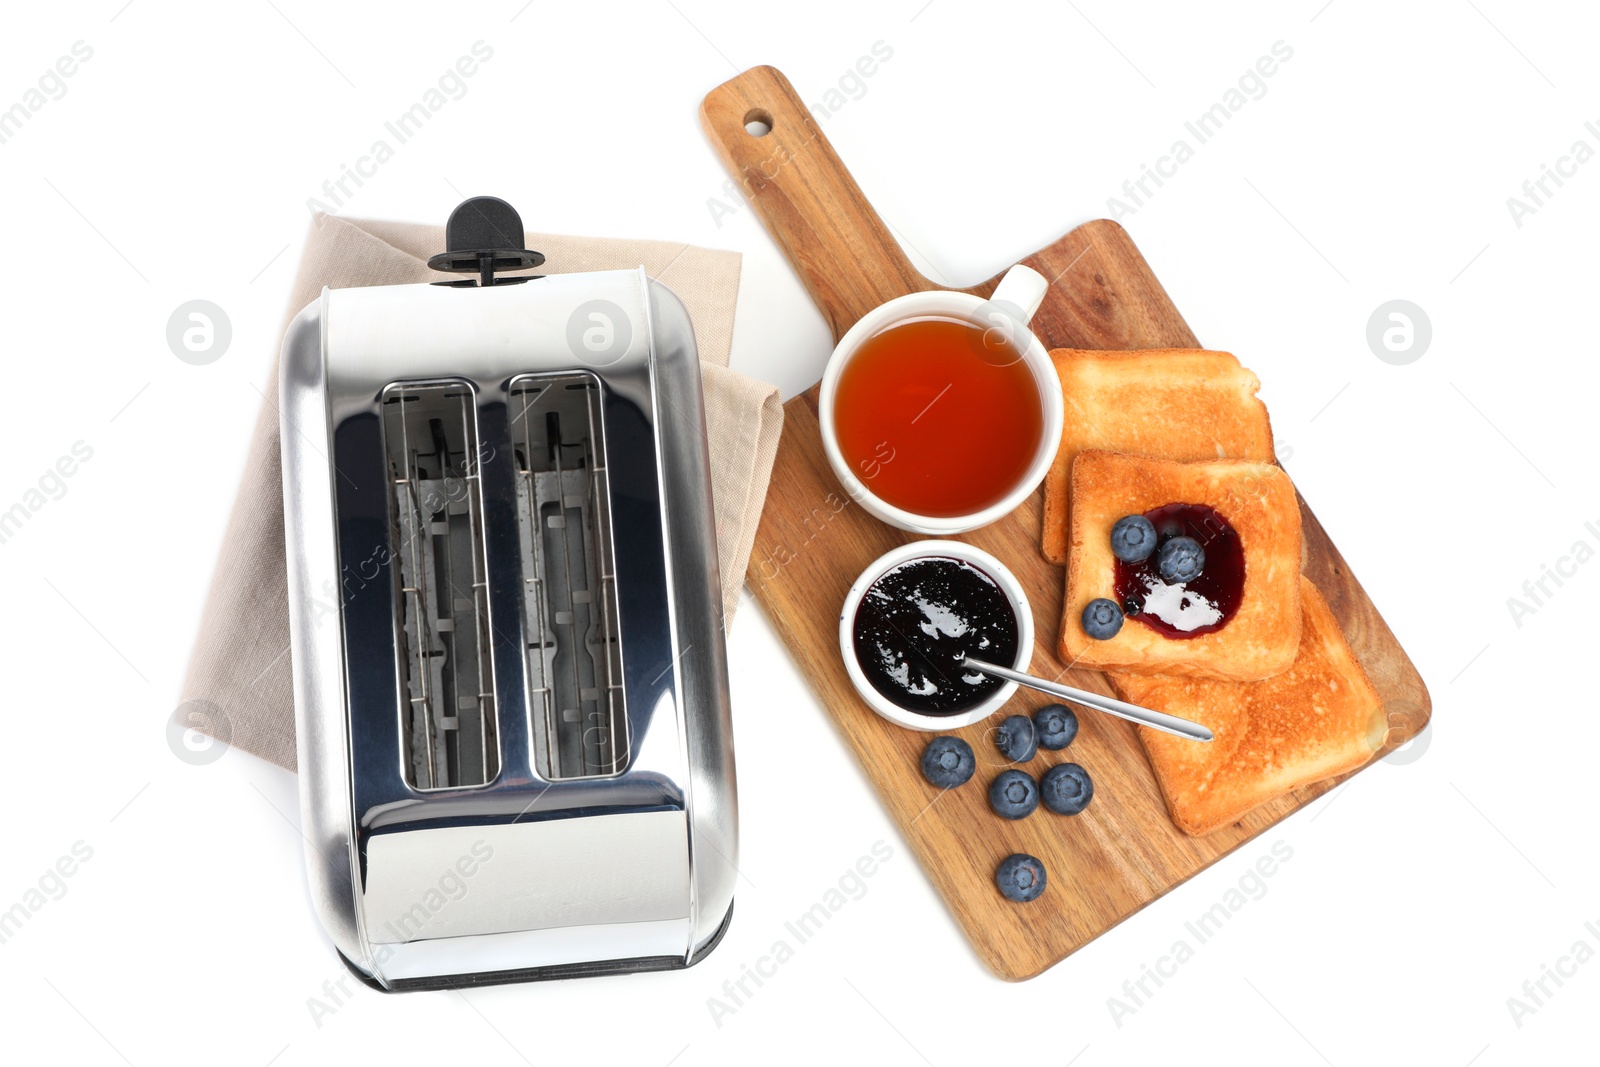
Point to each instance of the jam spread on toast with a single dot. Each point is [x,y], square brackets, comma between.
[1205,603]
[917,622]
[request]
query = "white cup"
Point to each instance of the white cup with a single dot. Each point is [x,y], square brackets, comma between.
[1009,585]
[1009,310]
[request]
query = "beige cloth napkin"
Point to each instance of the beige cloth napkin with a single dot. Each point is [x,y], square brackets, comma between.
[239,687]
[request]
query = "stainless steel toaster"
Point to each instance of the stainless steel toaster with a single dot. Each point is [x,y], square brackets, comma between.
[515,747]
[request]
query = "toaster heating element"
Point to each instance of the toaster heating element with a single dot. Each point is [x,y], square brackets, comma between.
[511,695]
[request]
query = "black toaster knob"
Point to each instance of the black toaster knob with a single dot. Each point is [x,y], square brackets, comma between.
[484,235]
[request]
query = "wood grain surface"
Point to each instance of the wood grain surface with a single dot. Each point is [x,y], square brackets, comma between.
[1123,852]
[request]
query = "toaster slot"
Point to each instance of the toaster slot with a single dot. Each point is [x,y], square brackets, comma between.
[431,442]
[574,656]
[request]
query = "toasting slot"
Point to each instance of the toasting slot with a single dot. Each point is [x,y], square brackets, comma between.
[574,655]
[436,506]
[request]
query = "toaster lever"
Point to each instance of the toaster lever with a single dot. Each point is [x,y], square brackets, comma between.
[483,236]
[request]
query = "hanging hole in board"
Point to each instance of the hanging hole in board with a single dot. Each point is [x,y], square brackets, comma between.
[757,122]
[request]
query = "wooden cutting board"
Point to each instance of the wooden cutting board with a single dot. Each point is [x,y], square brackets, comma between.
[1123,852]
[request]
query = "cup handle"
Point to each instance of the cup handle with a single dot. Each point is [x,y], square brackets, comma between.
[1023,288]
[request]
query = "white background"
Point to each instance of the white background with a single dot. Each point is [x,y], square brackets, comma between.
[1377,166]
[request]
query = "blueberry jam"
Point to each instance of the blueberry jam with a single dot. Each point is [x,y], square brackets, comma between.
[1201,605]
[918,621]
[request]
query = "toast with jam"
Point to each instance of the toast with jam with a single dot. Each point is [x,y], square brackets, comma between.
[1184,568]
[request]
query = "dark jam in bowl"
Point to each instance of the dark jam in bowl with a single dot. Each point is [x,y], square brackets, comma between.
[1187,609]
[917,622]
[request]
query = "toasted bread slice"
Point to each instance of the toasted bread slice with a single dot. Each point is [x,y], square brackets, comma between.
[1318,719]
[1257,500]
[1173,403]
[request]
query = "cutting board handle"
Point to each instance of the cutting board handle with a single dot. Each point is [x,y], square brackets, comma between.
[813,208]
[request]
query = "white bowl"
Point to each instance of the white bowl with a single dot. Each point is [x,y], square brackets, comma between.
[1011,306]
[948,550]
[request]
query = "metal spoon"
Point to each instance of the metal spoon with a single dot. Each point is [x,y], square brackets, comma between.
[1160,720]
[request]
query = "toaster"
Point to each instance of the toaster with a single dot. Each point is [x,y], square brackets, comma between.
[510,681]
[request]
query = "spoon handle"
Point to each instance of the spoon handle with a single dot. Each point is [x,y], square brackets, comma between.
[1159,720]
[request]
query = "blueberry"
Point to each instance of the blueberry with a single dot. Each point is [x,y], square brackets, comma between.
[1132,606]
[1181,559]
[1014,738]
[1066,789]
[1102,619]
[947,762]
[1055,725]
[1013,795]
[1133,538]
[1020,877]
